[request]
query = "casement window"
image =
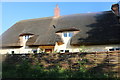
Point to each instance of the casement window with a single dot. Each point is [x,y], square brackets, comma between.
[68,34]
[65,34]
[34,51]
[114,49]
[117,48]
[26,37]
[63,51]
[66,50]
[12,52]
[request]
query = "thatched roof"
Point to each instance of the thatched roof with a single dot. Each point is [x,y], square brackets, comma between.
[67,29]
[94,28]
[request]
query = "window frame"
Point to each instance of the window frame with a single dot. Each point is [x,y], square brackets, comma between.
[68,34]
[114,49]
[65,34]
[26,37]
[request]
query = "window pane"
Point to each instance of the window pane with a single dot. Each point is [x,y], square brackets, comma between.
[61,50]
[70,34]
[66,50]
[65,34]
[12,52]
[117,48]
[111,49]
[27,37]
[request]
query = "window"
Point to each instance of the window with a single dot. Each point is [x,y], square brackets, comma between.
[68,34]
[34,51]
[114,49]
[12,52]
[61,50]
[111,49]
[65,34]
[27,37]
[66,50]
[117,48]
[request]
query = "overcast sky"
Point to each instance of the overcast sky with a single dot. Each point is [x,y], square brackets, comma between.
[13,12]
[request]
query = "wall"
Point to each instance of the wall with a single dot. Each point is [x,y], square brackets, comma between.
[17,50]
[92,48]
[20,50]
[66,46]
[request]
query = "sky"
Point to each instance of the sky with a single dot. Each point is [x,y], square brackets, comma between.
[13,12]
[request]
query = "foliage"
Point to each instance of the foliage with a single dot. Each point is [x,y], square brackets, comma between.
[26,69]
[82,49]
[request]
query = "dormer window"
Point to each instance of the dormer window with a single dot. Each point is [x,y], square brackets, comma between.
[68,34]
[24,38]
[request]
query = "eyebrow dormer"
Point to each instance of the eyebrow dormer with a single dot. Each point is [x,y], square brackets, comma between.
[24,37]
[67,29]
[68,32]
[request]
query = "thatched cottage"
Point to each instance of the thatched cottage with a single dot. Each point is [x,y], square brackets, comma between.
[98,31]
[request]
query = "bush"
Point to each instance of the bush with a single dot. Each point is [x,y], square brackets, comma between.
[33,69]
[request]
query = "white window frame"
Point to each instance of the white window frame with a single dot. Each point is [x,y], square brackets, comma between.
[26,37]
[68,34]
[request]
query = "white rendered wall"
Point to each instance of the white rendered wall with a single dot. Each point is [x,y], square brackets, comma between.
[16,51]
[23,49]
[92,48]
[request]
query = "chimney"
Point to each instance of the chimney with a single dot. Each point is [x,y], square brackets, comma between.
[56,12]
[116,10]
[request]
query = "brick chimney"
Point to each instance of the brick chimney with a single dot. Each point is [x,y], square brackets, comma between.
[56,12]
